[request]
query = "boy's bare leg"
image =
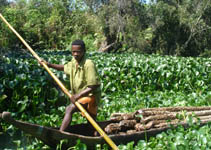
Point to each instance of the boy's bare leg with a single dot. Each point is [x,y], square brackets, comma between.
[68,116]
[95,133]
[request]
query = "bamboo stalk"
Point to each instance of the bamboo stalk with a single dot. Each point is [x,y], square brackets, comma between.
[204,117]
[159,117]
[155,122]
[159,121]
[79,106]
[151,113]
[174,115]
[175,109]
[175,123]
[164,124]
[200,113]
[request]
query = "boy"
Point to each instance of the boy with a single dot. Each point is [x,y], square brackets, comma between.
[84,82]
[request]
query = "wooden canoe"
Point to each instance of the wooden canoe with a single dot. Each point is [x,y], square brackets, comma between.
[52,136]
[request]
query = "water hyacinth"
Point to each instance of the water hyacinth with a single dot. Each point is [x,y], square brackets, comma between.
[130,81]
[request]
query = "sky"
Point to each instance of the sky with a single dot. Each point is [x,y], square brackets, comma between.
[147,1]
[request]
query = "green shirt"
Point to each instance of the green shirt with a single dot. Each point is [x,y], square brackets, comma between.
[82,76]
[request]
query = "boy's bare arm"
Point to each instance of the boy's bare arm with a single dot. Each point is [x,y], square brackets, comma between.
[83,93]
[54,66]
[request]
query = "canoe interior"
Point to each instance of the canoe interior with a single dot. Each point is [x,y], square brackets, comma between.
[87,129]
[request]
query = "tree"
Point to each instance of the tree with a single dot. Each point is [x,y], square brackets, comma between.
[179,27]
[121,20]
[168,27]
[3,3]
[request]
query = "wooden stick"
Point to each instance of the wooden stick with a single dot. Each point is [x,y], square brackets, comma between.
[176,109]
[161,125]
[159,117]
[173,115]
[200,113]
[204,117]
[151,113]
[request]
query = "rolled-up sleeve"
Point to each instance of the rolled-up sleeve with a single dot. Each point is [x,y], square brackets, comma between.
[92,77]
[67,68]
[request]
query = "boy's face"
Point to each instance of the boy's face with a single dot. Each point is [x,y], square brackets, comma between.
[77,52]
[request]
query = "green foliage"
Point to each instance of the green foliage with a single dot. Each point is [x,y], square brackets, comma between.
[130,81]
[47,24]
[122,74]
[179,28]
[193,138]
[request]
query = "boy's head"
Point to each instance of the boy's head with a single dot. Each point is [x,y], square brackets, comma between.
[80,43]
[78,49]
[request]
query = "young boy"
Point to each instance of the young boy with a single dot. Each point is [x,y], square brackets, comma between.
[84,82]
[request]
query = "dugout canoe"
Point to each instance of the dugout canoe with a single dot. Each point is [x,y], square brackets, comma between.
[52,136]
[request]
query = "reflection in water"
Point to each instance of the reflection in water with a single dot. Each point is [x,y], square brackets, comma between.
[12,139]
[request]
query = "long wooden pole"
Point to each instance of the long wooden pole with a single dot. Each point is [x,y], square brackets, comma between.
[79,106]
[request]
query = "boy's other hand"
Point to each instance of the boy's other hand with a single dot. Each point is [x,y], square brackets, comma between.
[74,98]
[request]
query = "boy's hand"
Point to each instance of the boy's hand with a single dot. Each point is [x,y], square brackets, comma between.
[74,98]
[43,61]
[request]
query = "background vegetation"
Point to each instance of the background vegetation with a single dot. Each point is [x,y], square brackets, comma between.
[147,63]
[179,28]
[130,81]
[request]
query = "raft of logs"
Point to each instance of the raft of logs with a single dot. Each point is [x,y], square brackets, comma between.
[148,118]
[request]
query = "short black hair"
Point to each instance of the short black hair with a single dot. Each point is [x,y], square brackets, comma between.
[81,43]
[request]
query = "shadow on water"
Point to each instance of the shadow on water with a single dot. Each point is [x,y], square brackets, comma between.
[12,139]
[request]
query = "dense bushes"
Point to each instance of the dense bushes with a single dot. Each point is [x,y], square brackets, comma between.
[23,81]
[167,28]
[130,81]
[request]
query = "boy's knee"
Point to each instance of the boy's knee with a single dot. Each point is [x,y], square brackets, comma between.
[70,108]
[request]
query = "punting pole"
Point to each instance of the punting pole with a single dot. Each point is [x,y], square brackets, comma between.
[79,106]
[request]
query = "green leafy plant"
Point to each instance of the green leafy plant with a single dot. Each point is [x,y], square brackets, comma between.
[130,81]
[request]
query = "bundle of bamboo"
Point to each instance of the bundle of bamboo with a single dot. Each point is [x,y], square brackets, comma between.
[149,118]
